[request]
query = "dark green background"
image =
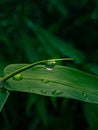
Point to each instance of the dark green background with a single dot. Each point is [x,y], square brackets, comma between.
[75,22]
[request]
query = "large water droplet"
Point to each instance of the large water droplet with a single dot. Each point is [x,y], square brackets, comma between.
[43,91]
[50,65]
[18,77]
[57,92]
[44,80]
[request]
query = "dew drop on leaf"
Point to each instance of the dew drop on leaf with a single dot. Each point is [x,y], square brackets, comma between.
[50,65]
[57,92]
[30,89]
[84,94]
[43,91]
[18,77]
[44,80]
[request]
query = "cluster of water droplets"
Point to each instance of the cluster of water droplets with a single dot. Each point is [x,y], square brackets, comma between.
[54,92]
[50,64]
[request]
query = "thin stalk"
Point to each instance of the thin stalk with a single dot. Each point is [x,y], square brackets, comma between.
[29,66]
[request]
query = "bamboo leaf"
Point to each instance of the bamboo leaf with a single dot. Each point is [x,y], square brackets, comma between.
[59,82]
[55,44]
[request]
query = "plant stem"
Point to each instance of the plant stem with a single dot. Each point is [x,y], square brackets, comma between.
[29,66]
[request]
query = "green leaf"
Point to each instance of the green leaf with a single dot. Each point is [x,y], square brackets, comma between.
[59,82]
[3,97]
[55,44]
[60,7]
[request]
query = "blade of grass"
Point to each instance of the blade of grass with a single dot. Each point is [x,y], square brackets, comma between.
[50,41]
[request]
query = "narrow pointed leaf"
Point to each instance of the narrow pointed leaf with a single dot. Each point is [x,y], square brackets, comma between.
[53,43]
[59,82]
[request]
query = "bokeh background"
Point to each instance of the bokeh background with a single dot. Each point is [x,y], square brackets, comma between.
[32,30]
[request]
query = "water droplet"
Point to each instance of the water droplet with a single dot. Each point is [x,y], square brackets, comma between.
[84,94]
[57,92]
[43,91]
[30,89]
[44,80]
[50,65]
[18,77]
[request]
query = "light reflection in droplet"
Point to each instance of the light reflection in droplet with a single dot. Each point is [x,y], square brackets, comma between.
[18,77]
[57,92]
[43,91]
[50,65]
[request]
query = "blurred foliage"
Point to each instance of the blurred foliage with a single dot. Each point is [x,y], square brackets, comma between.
[27,32]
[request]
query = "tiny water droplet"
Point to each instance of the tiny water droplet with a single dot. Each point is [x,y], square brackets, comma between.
[44,80]
[18,77]
[30,89]
[43,91]
[84,94]
[50,65]
[57,92]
